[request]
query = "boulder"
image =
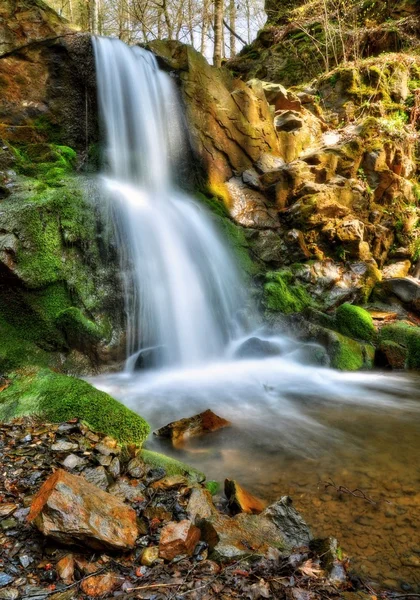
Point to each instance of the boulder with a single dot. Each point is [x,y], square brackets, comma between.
[178,539]
[241,501]
[200,424]
[279,526]
[406,289]
[101,521]
[255,347]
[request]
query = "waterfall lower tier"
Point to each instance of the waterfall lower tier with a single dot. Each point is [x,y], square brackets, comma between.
[183,292]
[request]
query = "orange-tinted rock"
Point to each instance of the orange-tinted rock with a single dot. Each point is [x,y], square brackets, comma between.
[100,585]
[200,504]
[65,568]
[178,538]
[240,500]
[195,426]
[73,511]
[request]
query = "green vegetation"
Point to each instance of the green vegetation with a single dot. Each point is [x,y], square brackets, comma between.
[407,337]
[284,295]
[355,322]
[350,355]
[79,331]
[47,163]
[171,465]
[57,398]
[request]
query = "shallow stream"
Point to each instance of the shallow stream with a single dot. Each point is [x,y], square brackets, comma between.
[305,431]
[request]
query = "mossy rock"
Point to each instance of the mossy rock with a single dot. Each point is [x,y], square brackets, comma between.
[282,294]
[58,398]
[347,354]
[355,322]
[80,333]
[171,465]
[48,163]
[407,337]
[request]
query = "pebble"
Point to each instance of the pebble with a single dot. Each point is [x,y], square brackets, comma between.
[25,560]
[63,446]
[9,594]
[5,579]
[72,461]
[98,476]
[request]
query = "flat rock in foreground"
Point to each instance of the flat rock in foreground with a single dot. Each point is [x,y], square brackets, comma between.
[73,511]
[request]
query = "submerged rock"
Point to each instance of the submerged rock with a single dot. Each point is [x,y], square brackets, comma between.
[255,347]
[200,424]
[101,521]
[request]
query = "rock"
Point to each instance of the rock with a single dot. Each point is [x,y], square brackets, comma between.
[97,476]
[101,585]
[72,461]
[286,518]
[170,482]
[124,489]
[136,468]
[25,560]
[63,446]
[65,568]
[397,269]
[115,467]
[255,347]
[7,509]
[249,207]
[5,579]
[149,556]
[101,521]
[9,593]
[239,500]
[178,539]
[200,504]
[288,121]
[395,355]
[406,289]
[200,424]
[243,535]
[282,98]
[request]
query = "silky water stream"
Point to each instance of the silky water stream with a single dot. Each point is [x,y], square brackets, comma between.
[296,429]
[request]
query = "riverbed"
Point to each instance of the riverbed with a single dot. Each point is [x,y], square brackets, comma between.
[344,446]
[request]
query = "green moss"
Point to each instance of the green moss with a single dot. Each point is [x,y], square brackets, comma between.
[408,337]
[48,163]
[58,398]
[171,466]
[17,351]
[348,354]
[79,331]
[355,322]
[282,295]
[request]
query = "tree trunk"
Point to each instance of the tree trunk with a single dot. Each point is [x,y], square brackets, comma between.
[218,33]
[204,26]
[232,23]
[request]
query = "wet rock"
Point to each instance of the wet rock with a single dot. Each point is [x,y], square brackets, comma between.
[72,461]
[200,504]
[124,490]
[170,482]
[239,500]
[5,579]
[63,446]
[243,535]
[97,476]
[101,585]
[405,289]
[255,347]
[65,568]
[149,556]
[101,521]
[136,468]
[291,524]
[178,539]
[200,424]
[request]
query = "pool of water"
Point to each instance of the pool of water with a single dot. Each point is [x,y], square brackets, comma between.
[307,432]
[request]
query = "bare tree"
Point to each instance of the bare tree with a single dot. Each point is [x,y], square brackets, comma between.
[218,33]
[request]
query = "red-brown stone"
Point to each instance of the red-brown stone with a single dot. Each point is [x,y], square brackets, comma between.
[100,585]
[73,511]
[178,538]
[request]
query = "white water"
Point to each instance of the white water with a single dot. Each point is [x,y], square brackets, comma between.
[183,292]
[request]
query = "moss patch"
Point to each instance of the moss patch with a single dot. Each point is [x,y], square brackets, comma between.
[348,354]
[48,163]
[171,466]
[407,337]
[58,398]
[355,322]
[282,294]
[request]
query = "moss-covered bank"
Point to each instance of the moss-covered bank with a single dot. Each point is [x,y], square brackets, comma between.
[56,398]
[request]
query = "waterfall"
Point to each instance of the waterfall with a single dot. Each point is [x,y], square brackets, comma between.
[183,292]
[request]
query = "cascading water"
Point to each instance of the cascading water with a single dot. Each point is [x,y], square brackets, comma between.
[294,424]
[183,293]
